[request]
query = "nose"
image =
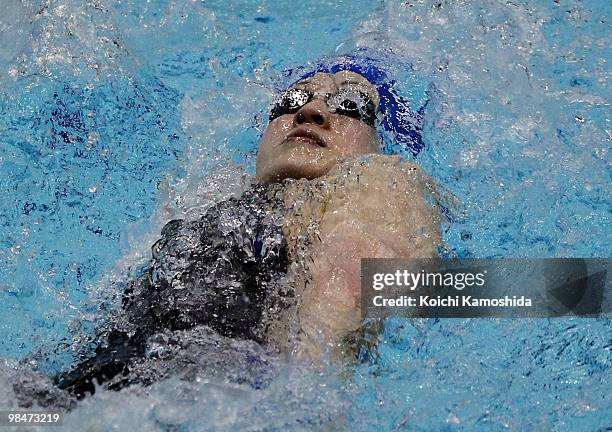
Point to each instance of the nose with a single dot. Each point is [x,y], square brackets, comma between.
[314,112]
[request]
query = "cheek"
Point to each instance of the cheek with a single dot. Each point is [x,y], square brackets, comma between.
[273,134]
[355,138]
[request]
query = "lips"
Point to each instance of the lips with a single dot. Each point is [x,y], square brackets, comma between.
[307,135]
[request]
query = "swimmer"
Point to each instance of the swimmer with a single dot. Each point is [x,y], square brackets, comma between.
[279,266]
[373,206]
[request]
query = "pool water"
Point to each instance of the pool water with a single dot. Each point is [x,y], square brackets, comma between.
[118,116]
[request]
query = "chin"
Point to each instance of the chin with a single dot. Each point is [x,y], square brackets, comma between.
[295,171]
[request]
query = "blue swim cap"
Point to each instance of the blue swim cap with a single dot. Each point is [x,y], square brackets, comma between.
[403,124]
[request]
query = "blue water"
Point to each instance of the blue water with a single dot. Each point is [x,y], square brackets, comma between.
[117,116]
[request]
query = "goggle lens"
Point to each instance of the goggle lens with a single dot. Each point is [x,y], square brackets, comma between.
[351,103]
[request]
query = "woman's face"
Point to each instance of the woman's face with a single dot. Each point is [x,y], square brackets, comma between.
[309,142]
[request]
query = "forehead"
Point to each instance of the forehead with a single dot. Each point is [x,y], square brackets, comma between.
[331,83]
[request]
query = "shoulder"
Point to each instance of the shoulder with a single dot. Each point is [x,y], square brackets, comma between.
[375,165]
[253,197]
[375,177]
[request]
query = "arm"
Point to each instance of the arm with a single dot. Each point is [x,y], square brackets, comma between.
[375,210]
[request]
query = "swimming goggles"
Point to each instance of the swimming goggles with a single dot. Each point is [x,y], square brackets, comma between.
[349,102]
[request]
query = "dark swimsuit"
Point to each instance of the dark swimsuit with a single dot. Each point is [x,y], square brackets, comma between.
[212,276]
